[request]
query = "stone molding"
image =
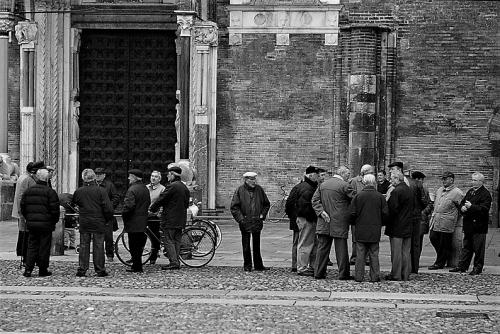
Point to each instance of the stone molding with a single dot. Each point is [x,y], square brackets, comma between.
[6,23]
[185,20]
[26,32]
[253,17]
[206,34]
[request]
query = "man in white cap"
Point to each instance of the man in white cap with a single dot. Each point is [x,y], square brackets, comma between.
[249,208]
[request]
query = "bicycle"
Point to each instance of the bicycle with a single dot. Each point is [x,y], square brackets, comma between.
[277,209]
[211,227]
[197,247]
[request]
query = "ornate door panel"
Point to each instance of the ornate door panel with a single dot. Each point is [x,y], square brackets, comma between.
[127,112]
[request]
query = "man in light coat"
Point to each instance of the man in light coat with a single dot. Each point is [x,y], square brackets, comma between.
[331,204]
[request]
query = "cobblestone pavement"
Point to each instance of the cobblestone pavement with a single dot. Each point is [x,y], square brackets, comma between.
[222,298]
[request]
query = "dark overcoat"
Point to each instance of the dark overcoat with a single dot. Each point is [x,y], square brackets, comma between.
[248,205]
[476,218]
[135,208]
[40,207]
[175,201]
[94,207]
[369,211]
[400,212]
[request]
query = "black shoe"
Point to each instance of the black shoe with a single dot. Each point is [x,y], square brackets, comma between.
[170,267]
[128,261]
[134,270]
[44,273]
[329,263]
[102,274]
[457,270]
[347,278]
[320,277]
[352,262]
[435,267]
[66,247]
[71,247]
[80,274]
[262,268]
[293,270]
[27,273]
[390,278]
[474,272]
[247,269]
[305,273]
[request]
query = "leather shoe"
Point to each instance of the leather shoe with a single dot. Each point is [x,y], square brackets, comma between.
[293,270]
[134,270]
[352,262]
[390,278]
[305,273]
[102,274]
[44,273]
[170,267]
[80,274]
[27,273]
[346,278]
[320,277]
[474,272]
[457,270]
[435,267]
[247,269]
[262,268]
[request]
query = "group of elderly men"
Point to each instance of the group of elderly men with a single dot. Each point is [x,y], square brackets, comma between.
[95,203]
[321,211]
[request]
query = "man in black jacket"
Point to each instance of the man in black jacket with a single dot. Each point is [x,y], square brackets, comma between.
[475,208]
[95,209]
[111,225]
[175,201]
[135,217]
[40,207]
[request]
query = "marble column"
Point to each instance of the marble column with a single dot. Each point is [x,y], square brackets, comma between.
[6,27]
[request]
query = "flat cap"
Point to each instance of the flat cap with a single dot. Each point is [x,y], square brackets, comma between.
[100,170]
[136,172]
[176,170]
[37,165]
[396,163]
[250,174]
[49,168]
[311,170]
[448,174]
[417,175]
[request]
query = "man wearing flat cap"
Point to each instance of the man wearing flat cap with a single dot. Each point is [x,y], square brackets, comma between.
[249,208]
[135,217]
[423,221]
[175,201]
[444,219]
[112,224]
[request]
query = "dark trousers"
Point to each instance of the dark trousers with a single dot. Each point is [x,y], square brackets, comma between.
[97,252]
[22,244]
[173,238]
[136,242]
[154,231]
[39,243]
[108,239]
[247,252]
[415,247]
[295,242]
[370,248]
[473,244]
[441,242]
[323,252]
[400,258]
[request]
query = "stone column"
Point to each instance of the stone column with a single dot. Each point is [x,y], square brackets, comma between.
[6,27]
[203,107]
[26,34]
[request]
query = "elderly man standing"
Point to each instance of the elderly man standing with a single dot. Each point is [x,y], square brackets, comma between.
[95,210]
[112,224]
[369,211]
[331,204]
[399,227]
[444,219]
[40,207]
[249,208]
[155,189]
[135,217]
[306,222]
[175,201]
[475,208]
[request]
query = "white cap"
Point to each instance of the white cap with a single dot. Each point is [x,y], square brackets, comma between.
[250,174]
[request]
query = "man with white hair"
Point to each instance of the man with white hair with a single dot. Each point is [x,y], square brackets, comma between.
[40,207]
[155,189]
[369,211]
[475,208]
[95,209]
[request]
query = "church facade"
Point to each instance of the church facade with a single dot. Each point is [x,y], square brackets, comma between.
[270,86]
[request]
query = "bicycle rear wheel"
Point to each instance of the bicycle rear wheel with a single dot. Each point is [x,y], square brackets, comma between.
[212,228]
[197,247]
[276,211]
[122,249]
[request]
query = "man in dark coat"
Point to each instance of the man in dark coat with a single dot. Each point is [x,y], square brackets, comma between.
[40,208]
[291,212]
[399,227]
[175,201]
[331,204]
[306,221]
[249,208]
[135,217]
[112,224]
[475,208]
[369,212]
[95,210]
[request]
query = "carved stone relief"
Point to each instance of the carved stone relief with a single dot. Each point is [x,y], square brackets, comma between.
[26,32]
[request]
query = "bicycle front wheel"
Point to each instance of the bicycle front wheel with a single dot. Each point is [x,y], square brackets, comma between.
[212,228]
[197,247]
[122,249]
[276,211]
